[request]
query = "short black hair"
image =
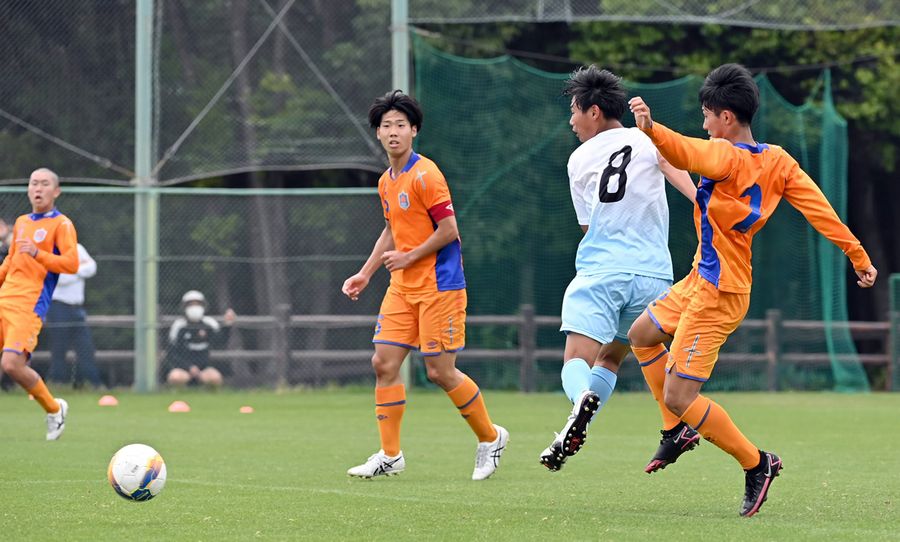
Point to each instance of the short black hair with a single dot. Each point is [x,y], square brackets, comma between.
[731,87]
[398,101]
[593,86]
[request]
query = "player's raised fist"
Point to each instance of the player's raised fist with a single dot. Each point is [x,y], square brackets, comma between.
[641,112]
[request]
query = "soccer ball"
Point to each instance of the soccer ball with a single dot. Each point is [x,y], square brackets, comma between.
[137,472]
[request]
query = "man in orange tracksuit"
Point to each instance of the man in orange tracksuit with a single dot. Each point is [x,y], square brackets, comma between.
[44,245]
[742,182]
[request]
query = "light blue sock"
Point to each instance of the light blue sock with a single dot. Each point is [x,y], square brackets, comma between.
[603,382]
[576,377]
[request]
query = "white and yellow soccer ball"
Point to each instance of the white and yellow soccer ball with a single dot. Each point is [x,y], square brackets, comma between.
[137,472]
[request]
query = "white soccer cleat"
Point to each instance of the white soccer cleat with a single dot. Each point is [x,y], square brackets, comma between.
[379,464]
[56,423]
[487,455]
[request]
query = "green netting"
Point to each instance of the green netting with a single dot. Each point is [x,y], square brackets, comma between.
[499,130]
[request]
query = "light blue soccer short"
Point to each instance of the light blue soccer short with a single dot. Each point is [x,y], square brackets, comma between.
[603,307]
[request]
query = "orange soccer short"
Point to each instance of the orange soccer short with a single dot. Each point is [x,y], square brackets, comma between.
[700,317]
[19,330]
[432,322]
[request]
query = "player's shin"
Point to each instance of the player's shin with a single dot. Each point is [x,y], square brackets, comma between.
[576,377]
[652,360]
[711,421]
[603,383]
[468,399]
[390,402]
[43,396]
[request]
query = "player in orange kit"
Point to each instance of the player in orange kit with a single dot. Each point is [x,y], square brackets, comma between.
[425,306]
[44,245]
[741,184]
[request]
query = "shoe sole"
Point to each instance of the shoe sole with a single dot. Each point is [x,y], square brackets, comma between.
[659,464]
[392,473]
[554,461]
[764,493]
[577,432]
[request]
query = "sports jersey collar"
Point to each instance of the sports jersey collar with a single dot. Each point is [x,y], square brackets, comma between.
[755,149]
[413,158]
[49,214]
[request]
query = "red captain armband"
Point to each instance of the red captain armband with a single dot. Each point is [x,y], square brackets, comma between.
[441,211]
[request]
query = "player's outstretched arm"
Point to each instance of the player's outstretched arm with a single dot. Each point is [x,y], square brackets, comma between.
[803,194]
[678,178]
[354,285]
[714,159]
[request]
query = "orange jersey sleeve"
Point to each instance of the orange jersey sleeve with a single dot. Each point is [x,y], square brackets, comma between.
[805,196]
[740,187]
[712,158]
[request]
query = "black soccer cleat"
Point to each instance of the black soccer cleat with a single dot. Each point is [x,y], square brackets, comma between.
[573,434]
[681,438]
[553,457]
[757,482]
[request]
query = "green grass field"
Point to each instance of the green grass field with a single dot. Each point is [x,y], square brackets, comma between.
[280,473]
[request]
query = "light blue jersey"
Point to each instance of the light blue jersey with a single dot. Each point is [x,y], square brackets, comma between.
[619,192]
[623,261]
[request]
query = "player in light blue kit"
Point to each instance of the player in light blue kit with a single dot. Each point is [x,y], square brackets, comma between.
[617,180]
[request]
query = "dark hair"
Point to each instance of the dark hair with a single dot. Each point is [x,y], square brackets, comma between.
[593,86]
[396,101]
[731,87]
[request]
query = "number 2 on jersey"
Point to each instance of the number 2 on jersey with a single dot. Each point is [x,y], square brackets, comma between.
[603,187]
[755,193]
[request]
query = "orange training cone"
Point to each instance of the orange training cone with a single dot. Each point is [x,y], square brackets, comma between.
[179,406]
[108,400]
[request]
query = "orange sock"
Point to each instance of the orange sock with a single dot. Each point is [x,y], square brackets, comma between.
[711,421]
[390,402]
[653,364]
[467,398]
[43,396]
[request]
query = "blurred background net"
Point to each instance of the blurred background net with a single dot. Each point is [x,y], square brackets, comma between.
[263,85]
[794,14]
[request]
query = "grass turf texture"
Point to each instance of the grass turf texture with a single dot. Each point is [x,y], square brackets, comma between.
[280,473]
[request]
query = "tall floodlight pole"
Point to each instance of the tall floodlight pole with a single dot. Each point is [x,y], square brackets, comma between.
[146,215]
[400,45]
[400,80]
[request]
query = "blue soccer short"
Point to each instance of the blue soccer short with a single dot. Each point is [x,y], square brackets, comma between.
[603,307]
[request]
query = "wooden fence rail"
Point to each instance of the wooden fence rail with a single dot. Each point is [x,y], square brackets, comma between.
[775,330]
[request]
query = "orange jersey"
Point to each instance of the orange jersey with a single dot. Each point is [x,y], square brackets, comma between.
[414,202]
[28,282]
[740,187]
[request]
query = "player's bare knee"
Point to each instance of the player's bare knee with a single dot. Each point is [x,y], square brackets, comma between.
[435,374]
[9,364]
[384,369]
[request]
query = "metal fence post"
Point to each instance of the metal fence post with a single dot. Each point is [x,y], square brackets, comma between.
[527,344]
[773,346]
[281,343]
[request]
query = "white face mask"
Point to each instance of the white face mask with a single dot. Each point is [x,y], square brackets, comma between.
[194,312]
